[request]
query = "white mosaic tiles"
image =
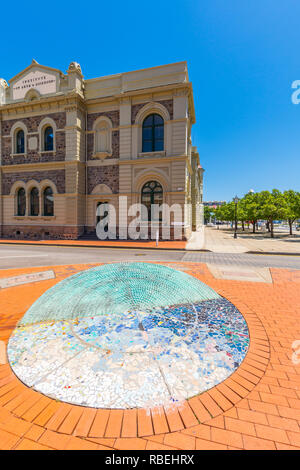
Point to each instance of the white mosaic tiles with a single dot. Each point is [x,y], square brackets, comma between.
[135,358]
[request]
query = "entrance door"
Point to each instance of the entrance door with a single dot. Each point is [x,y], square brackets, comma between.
[152,193]
[100,217]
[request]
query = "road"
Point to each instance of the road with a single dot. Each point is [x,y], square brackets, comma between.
[15,256]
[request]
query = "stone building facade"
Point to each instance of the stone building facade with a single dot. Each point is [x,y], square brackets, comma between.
[68,144]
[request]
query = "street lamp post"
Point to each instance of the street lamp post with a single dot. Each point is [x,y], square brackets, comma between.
[236,200]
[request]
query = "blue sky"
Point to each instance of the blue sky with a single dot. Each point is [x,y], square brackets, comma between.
[243,56]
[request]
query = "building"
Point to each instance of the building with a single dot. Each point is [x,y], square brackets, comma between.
[68,145]
[213,204]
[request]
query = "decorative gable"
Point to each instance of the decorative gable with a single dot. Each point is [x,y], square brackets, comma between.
[38,78]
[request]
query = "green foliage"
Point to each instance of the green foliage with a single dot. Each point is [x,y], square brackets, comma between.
[225,212]
[251,208]
[293,206]
[272,205]
[264,205]
[208,213]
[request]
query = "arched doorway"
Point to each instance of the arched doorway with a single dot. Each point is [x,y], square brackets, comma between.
[152,193]
[100,217]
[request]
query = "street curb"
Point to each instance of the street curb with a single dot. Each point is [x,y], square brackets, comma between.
[202,250]
[277,253]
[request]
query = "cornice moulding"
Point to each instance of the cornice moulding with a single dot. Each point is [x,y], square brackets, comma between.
[142,91]
[58,165]
[142,161]
[44,103]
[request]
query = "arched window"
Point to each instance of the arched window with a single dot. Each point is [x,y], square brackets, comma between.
[153,133]
[20,141]
[21,202]
[48,201]
[34,201]
[48,139]
[152,193]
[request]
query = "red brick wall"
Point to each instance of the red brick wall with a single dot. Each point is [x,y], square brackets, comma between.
[56,176]
[108,175]
[41,232]
[114,116]
[32,124]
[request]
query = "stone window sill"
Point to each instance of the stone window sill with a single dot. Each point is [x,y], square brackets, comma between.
[18,154]
[102,155]
[47,151]
[35,217]
[159,153]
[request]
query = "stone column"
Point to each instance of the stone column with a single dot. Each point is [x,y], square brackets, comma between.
[125,128]
[74,130]
[180,123]
[75,171]
[125,184]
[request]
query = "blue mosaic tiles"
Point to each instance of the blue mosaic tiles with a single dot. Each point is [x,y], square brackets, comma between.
[117,287]
[149,336]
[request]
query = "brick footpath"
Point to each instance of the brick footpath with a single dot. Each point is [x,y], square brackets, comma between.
[150,244]
[257,407]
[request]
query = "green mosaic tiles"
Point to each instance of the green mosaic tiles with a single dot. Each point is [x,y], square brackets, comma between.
[117,288]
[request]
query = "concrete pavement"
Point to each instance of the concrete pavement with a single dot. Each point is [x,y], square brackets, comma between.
[207,239]
[17,256]
[222,241]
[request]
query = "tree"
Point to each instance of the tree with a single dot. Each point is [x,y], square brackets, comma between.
[241,213]
[218,213]
[208,212]
[252,203]
[250,206]
[272,206]
[292,199]
[225,212]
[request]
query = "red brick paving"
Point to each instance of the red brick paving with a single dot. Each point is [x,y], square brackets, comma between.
[258,407]
[162,244]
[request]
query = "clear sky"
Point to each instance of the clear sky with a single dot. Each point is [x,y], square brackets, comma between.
[243,56]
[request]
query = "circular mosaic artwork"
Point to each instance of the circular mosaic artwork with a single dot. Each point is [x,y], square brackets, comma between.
[128,335]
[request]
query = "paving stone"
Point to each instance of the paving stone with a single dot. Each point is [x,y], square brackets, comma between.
[271,311]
